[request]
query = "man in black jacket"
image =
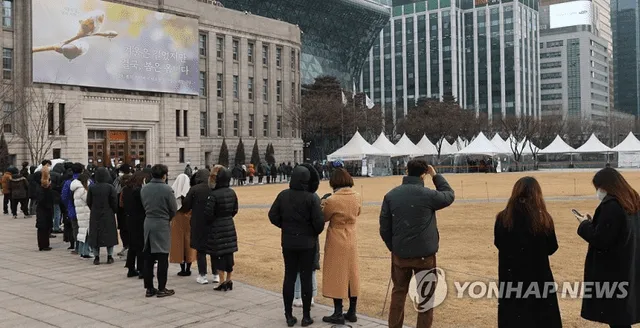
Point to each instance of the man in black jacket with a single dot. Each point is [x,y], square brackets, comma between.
[409,229]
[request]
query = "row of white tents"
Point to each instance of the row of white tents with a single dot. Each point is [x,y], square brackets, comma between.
[359,149]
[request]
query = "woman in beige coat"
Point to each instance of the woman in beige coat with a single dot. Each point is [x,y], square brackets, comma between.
[181,251]
[340,268]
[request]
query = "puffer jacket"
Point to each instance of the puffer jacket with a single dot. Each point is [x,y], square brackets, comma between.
[83,212]
[297,212]
[19,187]
[221,207]
[6,179]
[196,202]
[57,181]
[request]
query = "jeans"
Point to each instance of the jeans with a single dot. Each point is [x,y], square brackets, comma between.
[401,272]
[298,260]
[84,249]
[33,205]
[57,217]
[297,293]
[96,251]
[202,264]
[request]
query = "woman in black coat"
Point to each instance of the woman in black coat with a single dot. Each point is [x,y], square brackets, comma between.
[103,202]
[195,201]
[525,238]
[614,246]
[134,215]
[44,210]
[222,240]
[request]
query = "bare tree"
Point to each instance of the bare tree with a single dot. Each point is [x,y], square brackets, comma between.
[548,128]
[518,128]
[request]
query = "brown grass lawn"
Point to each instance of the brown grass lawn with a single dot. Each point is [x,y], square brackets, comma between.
[466,243]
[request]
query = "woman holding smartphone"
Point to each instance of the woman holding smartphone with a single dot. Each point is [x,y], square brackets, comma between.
[614,246]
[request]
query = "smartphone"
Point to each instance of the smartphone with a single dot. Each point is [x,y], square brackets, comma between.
[576,213]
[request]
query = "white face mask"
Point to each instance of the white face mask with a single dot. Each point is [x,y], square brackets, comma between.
[601,194]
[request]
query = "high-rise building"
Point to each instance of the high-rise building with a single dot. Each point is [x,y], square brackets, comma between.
[483,53]
[574,63]
[626,54]
[337,34]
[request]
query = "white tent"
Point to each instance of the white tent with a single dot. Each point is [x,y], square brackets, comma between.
[528,145]
[447,148]
[481,146]
[426,146]
[501,144]
[628,152]
[593,145]
[558,146]
[460,143]
[407,147]
[387,147]
[356,149]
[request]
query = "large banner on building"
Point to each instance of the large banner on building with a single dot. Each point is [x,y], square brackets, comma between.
[101,44]
[570,14]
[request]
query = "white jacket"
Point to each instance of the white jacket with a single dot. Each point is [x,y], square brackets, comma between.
[82,209]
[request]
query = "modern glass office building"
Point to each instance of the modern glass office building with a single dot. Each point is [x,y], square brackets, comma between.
[484,53]
[336,34]
[626,54]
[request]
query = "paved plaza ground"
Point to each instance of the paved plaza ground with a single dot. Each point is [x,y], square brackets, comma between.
[57,289]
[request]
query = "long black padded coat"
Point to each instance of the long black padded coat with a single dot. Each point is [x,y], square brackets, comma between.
[221,207]
[196,201]
[103,202]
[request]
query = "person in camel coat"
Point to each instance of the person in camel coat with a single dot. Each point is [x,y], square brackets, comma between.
[181,251]
[340,277]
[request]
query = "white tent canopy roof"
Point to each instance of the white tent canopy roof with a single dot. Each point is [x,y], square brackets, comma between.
[480,146]
[629,144]
[407,147]
[593,145]
[528,145]
[558,146]
[356,149]
[386,146]
[447,148]
[426,146]
[501,144]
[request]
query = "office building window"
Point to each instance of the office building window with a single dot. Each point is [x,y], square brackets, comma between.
[220,123]
[265,54]
[250,88]
[265,90]
[50,119]
[202,44]
[250,48]
[219,90]
[293,92]
[178,116]
[265,126]
[61,119]
[236,117]
[185,127]
[251,116]
[7,63]
[293,59]
[234,47]
[220,47]
[203,84]
[203,123]
[279,91]
[57,153]
[279,126]
[235,87]
[278,57]
[7,13]
[181,155]
[7,110]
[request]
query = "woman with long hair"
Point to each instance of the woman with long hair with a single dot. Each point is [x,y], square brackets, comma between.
[525,237]
[79,189]
[181,251]
[614,246]
[135,214]
[44,209]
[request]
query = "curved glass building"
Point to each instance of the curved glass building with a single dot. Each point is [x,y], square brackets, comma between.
[336,34]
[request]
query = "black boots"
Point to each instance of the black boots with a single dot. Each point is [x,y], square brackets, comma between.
[185,270]
[110,259]
[306,320]
[96,260]
[351,314]
[291,320]
[338,317]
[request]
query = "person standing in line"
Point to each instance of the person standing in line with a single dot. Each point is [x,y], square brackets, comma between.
[195,201]
[297,212]
[260,169]
[44,210]
[525,237]
[25,170]
[79,190]
[69,202]
[6,190]
[614,246]
[267,173]
[340,276]
[222,240]
[34,181]
[251,172]
[57,183]
[408,227]
[135,215]
[274,173]
[160,207]
[103,202]
[181,251]
[124,174]
[19,187]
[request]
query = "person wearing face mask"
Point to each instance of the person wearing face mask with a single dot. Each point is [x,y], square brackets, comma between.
[613,235]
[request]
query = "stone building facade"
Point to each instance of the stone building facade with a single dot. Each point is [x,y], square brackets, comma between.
[249,77]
